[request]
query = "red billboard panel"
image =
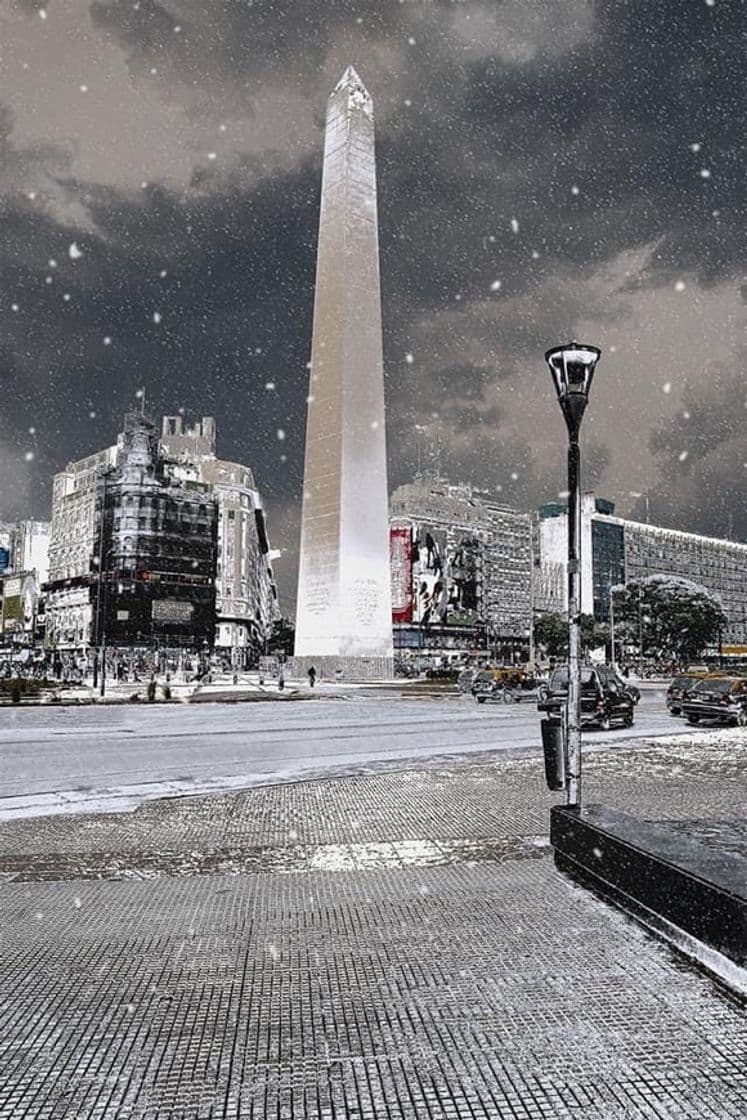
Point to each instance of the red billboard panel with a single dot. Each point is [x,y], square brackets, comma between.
[400,558]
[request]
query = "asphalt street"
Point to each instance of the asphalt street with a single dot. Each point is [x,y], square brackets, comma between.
[61,759]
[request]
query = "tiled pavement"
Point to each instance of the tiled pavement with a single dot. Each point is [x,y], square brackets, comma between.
[397,945]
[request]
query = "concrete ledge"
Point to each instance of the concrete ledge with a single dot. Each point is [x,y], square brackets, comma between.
[693,896]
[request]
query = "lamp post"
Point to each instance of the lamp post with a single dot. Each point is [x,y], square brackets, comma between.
[572,367]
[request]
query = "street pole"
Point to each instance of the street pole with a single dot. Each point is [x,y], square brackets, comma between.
[102,689]
[574,620]
[572,368]
[612,626]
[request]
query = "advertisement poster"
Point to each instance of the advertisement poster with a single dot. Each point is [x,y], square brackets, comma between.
[400,553]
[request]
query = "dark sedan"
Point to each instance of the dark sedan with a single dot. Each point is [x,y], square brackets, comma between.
[605,697]
[723,699]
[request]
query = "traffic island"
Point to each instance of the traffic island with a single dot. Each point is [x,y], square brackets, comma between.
[689,892]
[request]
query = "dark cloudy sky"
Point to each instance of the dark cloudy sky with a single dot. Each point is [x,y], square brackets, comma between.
[547,169]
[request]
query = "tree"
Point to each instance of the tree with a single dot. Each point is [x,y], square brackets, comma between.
[674,618]
[551,632]
[282,637]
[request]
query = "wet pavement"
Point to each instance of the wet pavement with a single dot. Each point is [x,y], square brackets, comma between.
[392,944]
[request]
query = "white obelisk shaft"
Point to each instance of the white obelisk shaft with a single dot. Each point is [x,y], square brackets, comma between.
[344,596]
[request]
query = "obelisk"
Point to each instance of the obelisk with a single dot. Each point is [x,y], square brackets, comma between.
[343,612]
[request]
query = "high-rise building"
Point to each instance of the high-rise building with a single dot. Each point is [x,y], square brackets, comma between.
[247,600]
[343,618]
[615,551]
[142,570]
[461,570]
[186,556]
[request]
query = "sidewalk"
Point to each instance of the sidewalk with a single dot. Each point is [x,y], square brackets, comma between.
[394,945]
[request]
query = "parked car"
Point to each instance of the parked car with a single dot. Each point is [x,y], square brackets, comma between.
[507,683]
[605,697]
[718,698]
[679,688]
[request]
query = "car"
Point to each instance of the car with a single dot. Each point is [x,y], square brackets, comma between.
[717,698]
[605,697]
[680,687]
[503,682]
[465,679]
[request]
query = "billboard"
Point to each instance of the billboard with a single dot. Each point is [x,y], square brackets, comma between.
[447,577]
[429,579]
[172,612]
[400,559]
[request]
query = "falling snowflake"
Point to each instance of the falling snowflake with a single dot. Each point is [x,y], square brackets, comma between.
[495,286]
[269,384]
[374,425]
[47,279]
[42,13]
[409,359]
[52,262]
[575,190]
[680,286]
[77,903]
[535,255]
[408,103]
[666,387]
[281,433]
[695,147]
[683,455]
[514,225]
[29,456]
[212,155]
[107,340]
[163,273]
[74,252]
[156,316]
[514,475]
[32,430]
[14,307]
[705,173]
[83,89]
[411,41]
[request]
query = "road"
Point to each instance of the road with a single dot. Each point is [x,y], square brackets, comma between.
[103,758]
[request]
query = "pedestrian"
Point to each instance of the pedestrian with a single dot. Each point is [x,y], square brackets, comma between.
[312,677]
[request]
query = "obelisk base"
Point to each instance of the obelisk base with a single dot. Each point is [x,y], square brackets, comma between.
[341,668]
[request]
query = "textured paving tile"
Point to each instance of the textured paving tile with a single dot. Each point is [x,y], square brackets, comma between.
[389,945]
[452,991]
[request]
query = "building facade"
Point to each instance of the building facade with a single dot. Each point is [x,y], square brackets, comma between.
[616,551]
[461,571]
[72,546]
[156,550]
[133,551]
[246,592]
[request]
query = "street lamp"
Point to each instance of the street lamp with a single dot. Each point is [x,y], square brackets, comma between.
[572,367]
